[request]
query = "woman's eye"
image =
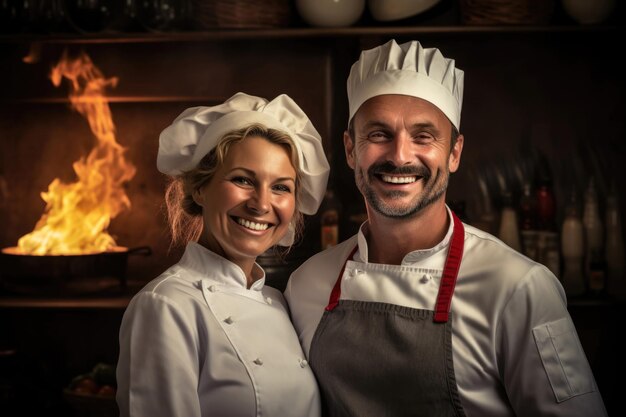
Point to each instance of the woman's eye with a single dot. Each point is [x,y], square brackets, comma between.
[282,188]
[241,181]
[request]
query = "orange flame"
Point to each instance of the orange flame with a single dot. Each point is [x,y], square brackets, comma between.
[77,215]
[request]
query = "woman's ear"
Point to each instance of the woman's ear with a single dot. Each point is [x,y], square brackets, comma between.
[198,197]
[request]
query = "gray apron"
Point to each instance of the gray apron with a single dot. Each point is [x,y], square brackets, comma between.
[378,359]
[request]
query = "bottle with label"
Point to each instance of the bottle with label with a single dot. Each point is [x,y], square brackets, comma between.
[548,249]
[614,248]
[527,221]
[594,240]
[551,255]
[329,219]
[508,231]
[546,205]
[597,273]
[573,249]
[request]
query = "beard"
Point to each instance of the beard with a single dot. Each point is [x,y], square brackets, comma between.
[388,203]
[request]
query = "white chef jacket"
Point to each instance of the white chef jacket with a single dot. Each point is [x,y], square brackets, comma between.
[196,342]
[515,349]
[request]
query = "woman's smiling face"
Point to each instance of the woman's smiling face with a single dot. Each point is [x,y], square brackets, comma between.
[249,202]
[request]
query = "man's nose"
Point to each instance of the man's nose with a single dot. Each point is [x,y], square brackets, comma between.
[401,149]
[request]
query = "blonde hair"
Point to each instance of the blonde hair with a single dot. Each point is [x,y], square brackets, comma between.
[185,216]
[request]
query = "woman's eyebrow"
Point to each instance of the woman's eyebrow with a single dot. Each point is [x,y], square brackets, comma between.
[252,174]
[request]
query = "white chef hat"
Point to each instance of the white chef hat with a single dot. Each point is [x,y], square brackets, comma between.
[407,69]
[197,130]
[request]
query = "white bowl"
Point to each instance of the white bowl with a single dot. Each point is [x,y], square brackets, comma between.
[386,10]
[588,12]
[330,13]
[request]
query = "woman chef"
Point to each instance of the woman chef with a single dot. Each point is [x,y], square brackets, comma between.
[207,337]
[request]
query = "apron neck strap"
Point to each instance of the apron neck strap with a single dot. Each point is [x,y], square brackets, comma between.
[450,272]
[335,294]
[448,280]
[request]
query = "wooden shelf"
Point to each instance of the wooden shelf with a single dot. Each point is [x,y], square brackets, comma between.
[118,302]
[205,100]
[112,300]
[299,33]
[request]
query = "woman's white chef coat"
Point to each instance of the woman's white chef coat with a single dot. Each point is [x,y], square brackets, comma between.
[196,342]
[515,349]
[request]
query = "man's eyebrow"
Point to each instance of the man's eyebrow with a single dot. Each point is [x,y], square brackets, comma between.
[383,125]
[376,123]
[424,125]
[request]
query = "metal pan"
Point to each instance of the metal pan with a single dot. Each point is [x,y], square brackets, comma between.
[66,274]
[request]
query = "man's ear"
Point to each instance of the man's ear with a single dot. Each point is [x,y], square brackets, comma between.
[455,154]
[348,145]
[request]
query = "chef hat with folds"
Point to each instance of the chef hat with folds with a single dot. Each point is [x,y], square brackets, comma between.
[194,133]
[407,69]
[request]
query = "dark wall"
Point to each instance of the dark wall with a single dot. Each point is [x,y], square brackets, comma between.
[555,93]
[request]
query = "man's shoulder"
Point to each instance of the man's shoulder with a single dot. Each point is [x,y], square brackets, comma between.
[333,257]
[485,251]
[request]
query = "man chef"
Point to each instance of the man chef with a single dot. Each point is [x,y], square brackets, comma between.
[419,314]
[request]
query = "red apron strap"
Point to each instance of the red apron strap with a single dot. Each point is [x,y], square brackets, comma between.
[336,292]
[448,280]
[450,272]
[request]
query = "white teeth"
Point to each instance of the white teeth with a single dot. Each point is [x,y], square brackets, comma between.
[399,180]
[252,225]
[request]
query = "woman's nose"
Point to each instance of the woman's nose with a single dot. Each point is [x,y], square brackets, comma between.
[259,202]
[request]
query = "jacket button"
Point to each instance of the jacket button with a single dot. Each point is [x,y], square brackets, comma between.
[268,300]
[258,361]
[303,363]
[212,288]
[425,278]
[228,320]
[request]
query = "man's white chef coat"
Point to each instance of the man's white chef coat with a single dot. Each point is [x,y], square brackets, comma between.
[515,349]
[196,342]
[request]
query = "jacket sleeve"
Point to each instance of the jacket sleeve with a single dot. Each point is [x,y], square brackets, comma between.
[157,370]
[542,363]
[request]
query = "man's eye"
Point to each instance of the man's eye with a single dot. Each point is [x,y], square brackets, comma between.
[423,137]
[377,136]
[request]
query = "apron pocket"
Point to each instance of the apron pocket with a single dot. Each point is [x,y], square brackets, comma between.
[563,359]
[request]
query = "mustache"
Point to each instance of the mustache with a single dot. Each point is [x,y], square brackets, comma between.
[389,168]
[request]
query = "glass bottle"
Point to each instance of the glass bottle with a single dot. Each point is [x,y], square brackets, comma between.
[329,219]
[597,273]
[91,16]
[508,231]
[551,256]
[616,282]
[573,249]
[164,15]
[546,205]
[528,222]
[594,238]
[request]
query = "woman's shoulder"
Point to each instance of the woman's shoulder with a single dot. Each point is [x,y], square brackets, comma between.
[175,285]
